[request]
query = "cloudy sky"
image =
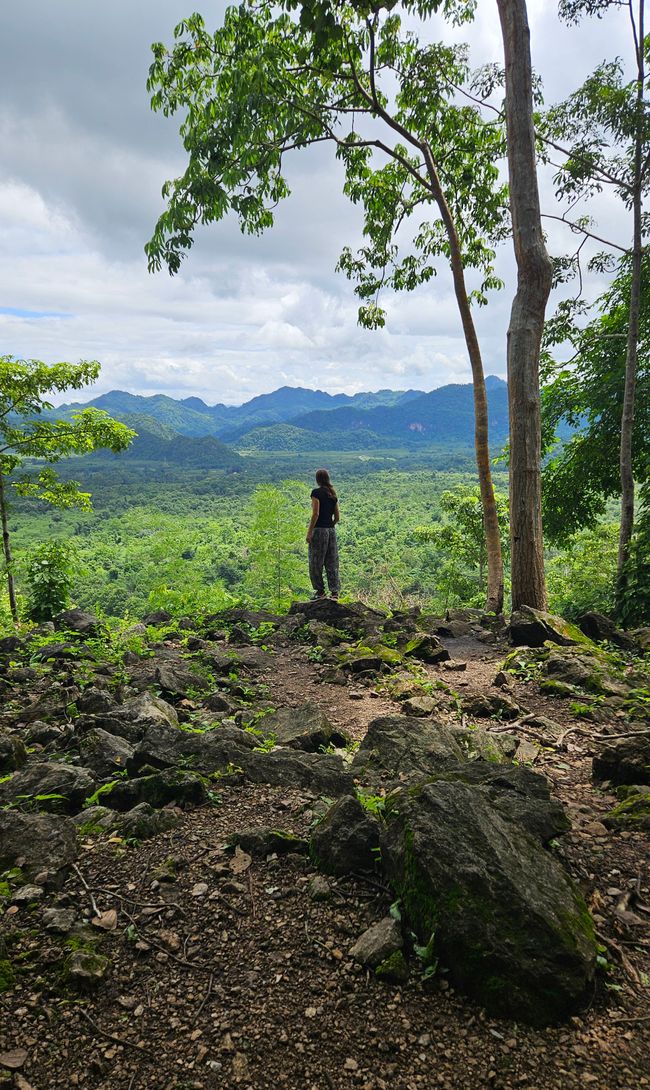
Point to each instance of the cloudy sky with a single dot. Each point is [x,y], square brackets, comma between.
[82,163]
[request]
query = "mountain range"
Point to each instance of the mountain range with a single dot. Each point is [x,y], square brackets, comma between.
[296,419]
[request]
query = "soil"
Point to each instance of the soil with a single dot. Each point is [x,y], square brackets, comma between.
[224,973]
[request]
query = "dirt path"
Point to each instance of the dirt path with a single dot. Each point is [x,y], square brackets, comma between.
[223,978]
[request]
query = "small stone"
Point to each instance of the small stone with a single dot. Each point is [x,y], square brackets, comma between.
[14,1059]
[86,969]
[59,920]
[319,888]
[26,894]
[377,943]
[310,1012]
[200,889]
[595,828]
[350,1064]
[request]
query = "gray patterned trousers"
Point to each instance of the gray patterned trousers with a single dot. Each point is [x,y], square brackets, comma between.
[324,552]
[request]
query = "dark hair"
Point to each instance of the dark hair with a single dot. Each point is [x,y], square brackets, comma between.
[323,479]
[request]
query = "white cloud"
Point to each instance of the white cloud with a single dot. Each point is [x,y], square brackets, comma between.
[82,166]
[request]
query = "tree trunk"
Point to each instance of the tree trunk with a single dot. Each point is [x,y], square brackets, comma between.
[534,274]
[494,601]
[6,545]
[631,354]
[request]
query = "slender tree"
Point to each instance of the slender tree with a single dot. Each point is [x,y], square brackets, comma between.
[266,84]
[602,132]
[29,445]
[534,275]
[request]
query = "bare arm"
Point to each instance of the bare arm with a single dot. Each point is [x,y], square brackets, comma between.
[315,509]
[337,514]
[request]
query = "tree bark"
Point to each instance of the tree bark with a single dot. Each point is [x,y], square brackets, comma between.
[631,353]
[534,274]
[6,545]
[494,601]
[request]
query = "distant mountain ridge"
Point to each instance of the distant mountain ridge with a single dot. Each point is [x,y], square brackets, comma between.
[192,417]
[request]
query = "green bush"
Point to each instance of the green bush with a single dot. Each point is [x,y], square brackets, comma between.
[50,573]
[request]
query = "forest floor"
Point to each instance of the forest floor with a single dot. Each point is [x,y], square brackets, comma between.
[225,976]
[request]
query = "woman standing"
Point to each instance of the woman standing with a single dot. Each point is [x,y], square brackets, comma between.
[321,536]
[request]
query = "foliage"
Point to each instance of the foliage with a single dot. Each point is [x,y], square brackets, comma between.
[276,569]
[50,572]
[583,472]
[265,84]
[582,576]
[27,441]
[461,541]
[635,605]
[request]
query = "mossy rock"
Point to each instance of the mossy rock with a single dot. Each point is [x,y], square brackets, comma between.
[533,627]
[510,927]
[7,976]
[394,970]
[263,841]
[632,814]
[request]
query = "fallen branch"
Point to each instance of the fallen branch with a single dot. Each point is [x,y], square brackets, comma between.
[204,1000]
[87,888]
[112,1037]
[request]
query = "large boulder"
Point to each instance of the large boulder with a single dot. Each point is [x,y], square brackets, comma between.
[596,626]
[506,920]
[626,761]
[104,753]
[632,814]
[322,773]
[77,620]
[160,789]
[44,846]
[533,627]
[12,752]
[351,617]
[176,680]
[306,727]
[164,747]
[346,839]
[52,786]
[132,719]
[426,648]
[401,746]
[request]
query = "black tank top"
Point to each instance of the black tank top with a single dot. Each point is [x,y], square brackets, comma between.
[326,509]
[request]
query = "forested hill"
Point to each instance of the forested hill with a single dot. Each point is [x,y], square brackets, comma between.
[191,416]
[296,419]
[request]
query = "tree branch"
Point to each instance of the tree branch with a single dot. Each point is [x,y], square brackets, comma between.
[576,228]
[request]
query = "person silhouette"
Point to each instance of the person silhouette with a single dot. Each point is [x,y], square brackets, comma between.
[321,537]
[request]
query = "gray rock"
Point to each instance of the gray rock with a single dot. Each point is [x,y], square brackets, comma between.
[94,700]
[221,662]
[598,627]
[159,789]
[322,773]
[59,920]
[143,822]
[533,627]
[60,651]
[420,706]
[163,747]
[39,844]
[306,727]
[378,943]
[158,617]
[485,705]
[626,761]
[52,786]
[319,888]
[177,680]
[353,617]
[86,970]
[426,648]
[77,620]
[95,819]
[263,840]
[26,894]
[104,753]
[509,925]
[217,702]
[402,745]
[346,839]
[46,734]
[254,659]
[132,719]
[12,752]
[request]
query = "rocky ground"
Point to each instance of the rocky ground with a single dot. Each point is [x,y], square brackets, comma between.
[173,939]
